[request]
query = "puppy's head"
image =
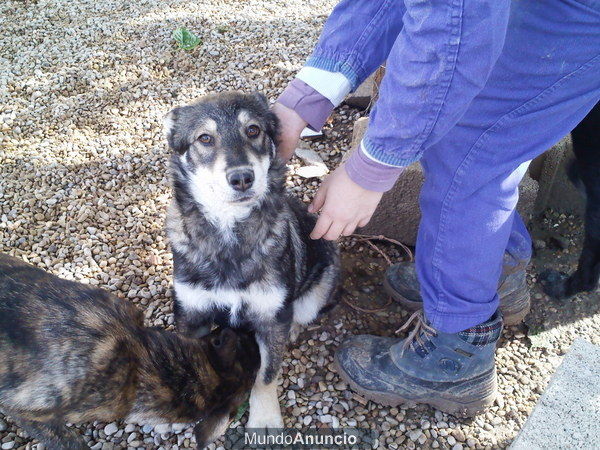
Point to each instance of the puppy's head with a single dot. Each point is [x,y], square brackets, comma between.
[224,144]
[235,356]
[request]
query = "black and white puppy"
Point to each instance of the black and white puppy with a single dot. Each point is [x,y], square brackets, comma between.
[241,248]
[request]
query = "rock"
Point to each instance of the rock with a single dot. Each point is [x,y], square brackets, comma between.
[326,418]
[163,428]
[111,429]
[314,171]
[8,445]
[361,97]
[459,435]
[414,435]
[341,386]
[309,156]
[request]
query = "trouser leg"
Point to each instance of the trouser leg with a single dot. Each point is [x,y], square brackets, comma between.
[544,83]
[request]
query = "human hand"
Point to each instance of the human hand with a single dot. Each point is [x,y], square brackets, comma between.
[344,206]
[291,125]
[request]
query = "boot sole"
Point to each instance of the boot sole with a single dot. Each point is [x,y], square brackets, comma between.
[449,406]
[511,317]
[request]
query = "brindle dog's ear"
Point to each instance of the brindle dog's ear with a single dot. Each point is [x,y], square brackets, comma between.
[176,140]
[225,345]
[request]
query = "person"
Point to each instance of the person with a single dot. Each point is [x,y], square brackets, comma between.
[473,89]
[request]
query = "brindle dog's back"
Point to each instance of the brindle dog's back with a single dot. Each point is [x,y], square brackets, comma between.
[66,334]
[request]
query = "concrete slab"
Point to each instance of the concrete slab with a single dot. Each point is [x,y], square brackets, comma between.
[567,415]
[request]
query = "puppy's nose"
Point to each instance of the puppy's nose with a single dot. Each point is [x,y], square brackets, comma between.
[241,179]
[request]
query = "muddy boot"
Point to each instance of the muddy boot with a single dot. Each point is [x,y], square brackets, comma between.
[402,285]
[454,373]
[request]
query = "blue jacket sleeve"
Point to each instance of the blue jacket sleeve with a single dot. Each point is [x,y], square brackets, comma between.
[357,38]
[439,62]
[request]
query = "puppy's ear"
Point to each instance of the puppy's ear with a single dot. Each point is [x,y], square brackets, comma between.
[272,126]
[262,99]
[272,123]
[225,345]
[174,138]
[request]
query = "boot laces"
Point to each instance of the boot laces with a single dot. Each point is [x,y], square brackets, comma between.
[421,328]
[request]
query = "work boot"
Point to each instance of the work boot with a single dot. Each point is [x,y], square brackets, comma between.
[454,373]
[402,285]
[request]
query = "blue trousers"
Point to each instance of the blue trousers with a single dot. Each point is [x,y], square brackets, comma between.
[545,81]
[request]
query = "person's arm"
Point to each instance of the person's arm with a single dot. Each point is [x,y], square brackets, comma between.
[355,41]
[439,62]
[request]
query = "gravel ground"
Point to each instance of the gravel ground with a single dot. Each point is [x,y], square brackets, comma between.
[83,190]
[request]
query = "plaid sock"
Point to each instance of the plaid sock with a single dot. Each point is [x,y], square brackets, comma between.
[485,333]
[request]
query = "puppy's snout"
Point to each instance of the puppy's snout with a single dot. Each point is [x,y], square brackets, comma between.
[240,179]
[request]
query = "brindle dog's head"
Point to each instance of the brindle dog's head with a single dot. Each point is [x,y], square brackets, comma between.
[224,146]
[235,357]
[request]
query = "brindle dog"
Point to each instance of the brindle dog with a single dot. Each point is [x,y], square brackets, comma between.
[71,352]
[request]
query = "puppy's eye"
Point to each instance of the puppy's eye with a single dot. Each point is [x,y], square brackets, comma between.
[206,139]
[252,131]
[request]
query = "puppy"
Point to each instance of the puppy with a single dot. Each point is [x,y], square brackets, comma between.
[74,353]
[241,248]
[585,173]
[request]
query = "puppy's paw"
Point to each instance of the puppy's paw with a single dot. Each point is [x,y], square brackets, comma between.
[270,418]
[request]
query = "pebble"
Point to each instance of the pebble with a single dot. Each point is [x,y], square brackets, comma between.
[111,429]
[414,435]
[162,428]
[312,171]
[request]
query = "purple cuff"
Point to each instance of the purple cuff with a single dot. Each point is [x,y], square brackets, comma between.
[370,174]
[313,107]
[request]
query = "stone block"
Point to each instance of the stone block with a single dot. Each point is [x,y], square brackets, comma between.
[361,97]
[568,413]
[366,94]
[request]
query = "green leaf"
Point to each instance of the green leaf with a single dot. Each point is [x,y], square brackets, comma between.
[185,39]
[242,410]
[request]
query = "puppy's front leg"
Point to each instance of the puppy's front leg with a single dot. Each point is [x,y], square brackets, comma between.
[265,411]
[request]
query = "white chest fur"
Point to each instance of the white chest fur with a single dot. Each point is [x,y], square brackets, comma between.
[262,300]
